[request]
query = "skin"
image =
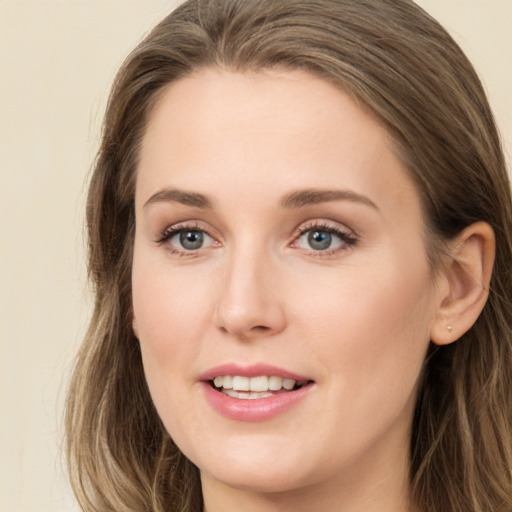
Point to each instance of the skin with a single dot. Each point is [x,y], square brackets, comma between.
[357,319]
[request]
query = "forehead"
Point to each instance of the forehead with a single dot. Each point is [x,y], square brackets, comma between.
[257,129]
[214,103]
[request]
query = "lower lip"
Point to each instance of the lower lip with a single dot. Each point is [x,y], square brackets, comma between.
[258,409]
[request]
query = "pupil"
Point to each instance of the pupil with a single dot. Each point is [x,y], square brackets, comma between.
[319,240]
[191,239]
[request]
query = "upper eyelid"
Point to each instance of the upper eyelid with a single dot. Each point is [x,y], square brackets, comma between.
[193,225]
[163,236]
[325,224]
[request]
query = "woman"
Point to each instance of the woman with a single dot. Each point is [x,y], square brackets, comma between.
[300,238]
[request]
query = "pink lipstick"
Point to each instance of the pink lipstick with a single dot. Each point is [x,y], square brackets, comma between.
[253,393]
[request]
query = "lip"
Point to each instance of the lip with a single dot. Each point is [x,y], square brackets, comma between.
[254,370]
[260,409]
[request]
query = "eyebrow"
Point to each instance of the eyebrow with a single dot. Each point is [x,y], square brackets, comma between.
[168,195]
[297,199]
[307,197]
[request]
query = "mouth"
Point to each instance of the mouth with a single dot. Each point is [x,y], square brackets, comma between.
[255,388]
[254,393]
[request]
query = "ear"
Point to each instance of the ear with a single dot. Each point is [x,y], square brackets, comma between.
[464,283]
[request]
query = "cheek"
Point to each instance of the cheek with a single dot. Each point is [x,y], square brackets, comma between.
[165,309]
[369,333]
[165,302]
[165,306]
[371,328]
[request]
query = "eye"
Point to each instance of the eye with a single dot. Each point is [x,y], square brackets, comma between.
[186,239]
[189,240]
[324,238]
[318,240]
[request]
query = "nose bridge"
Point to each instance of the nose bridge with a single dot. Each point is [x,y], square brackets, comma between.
[249,303]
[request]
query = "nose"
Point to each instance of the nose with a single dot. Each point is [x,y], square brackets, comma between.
[250,303]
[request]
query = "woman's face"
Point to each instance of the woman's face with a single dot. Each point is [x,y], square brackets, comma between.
[279,244]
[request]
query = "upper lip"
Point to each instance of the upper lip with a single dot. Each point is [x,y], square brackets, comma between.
[253,370]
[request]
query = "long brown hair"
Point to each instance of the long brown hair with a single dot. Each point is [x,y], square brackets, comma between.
[394,58]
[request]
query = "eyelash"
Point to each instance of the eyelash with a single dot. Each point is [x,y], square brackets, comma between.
[348,238]
[170,232]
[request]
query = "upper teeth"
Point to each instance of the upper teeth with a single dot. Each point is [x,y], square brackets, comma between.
[261,383]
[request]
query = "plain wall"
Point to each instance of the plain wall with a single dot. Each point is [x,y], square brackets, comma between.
[57,59]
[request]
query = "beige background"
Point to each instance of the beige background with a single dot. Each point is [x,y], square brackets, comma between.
[57,59]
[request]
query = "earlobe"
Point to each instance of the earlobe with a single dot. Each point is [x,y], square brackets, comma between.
[466,279]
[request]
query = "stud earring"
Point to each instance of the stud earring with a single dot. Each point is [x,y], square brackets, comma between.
[449,328]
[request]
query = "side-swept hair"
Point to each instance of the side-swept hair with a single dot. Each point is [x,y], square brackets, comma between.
[399,62]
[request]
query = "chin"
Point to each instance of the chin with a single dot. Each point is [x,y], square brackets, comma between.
[261,480]
[262,471]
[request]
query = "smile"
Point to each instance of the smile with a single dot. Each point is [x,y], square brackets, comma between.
[254,393]
[253,388]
